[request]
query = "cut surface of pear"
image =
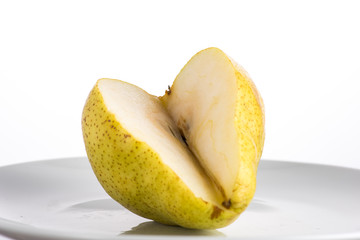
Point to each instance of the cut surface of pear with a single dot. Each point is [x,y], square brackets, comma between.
[144,116]
[187,158]
[219,111]
[203,103]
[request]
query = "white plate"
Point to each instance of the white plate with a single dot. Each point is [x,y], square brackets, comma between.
[61,199]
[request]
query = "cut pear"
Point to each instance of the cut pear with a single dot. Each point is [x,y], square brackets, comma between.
[188,158]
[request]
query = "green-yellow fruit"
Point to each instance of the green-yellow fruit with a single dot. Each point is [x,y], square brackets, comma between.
[188,158]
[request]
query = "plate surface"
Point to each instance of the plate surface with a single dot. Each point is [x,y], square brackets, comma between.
[61,199]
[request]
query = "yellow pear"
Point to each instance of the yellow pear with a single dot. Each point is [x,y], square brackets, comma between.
[188,158]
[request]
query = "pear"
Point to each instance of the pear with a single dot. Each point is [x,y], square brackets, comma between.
[187,158]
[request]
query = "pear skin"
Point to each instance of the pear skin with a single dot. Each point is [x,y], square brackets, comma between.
[151,154]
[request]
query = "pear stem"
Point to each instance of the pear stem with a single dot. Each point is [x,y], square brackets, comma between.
[227,203]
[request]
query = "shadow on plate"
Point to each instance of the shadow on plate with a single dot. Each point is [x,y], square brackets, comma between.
[154,228]
[95,205]
[257,205]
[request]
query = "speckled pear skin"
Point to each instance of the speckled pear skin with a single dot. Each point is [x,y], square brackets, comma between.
[134,175]
[250,127]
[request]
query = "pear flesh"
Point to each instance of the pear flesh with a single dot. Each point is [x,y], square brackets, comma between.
[202,103]
[188,158]
[145,117]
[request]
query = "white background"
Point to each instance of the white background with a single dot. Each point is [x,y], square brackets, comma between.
[304,57]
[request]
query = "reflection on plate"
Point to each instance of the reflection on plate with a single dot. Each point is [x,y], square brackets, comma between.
[61,199]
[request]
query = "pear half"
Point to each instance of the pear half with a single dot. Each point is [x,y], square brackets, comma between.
[188,158]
